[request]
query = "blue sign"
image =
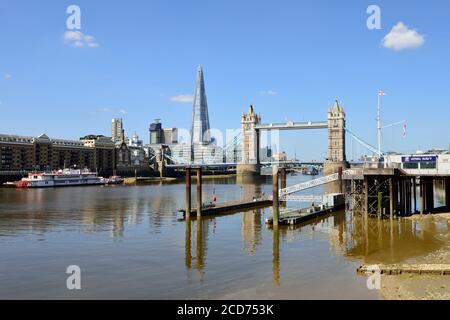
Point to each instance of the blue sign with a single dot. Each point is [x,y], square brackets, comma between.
[417,159]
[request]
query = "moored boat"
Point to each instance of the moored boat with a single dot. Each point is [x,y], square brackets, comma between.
[61,178]
[9,184]
[114,180]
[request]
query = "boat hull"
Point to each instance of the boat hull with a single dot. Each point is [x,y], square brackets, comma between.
[38,186]
[60,179]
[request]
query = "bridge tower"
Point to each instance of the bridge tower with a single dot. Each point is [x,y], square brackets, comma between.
[336,139]
[249,164]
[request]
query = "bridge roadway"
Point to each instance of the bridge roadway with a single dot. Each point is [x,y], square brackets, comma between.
[291,125]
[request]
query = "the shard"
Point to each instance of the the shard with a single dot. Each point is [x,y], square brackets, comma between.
[200,132]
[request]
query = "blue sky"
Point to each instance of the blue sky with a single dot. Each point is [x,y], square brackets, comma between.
[289,58]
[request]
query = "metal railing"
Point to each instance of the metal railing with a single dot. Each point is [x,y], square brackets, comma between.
[303,198]
[315,183]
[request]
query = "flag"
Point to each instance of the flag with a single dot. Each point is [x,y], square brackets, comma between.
[381,93]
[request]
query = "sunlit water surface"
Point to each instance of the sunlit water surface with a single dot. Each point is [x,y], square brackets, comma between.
[130,243]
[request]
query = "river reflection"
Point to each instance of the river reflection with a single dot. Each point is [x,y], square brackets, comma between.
[386,241]
[364,240]
[131,243]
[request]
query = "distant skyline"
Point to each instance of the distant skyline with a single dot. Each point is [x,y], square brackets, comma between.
[290,59]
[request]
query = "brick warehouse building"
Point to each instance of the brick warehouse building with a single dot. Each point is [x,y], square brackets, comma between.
[21,153]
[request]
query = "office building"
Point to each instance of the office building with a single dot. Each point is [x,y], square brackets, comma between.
[117,130]
[200,132]
[170,135]
[156,132]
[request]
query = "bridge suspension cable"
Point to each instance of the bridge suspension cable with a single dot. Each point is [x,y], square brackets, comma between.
[365,144]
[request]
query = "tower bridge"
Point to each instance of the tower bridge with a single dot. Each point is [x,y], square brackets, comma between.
[395,187]
[251,132]
[244,150]
[249,161]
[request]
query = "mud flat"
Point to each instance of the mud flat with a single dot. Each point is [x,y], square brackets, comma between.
[424,286]
[133,181]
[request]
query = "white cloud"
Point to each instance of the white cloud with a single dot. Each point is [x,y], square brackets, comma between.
[268,92]
[105,110]
[79,40]
[111,110]
[8,76]
[182,98]
[401,37]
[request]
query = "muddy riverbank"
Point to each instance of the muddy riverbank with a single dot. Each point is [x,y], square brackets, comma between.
[415,287]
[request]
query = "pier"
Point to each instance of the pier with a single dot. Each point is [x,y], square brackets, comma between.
[330,203]
[390,192]
[205,209]
[295,217]
[395,269]
[377,192]
[231,207]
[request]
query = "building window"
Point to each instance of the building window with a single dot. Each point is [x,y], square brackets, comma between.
[410,165]
[428,165]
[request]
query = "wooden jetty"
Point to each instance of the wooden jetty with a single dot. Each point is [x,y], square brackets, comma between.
[232,207]
[334,202]
[208,210]
[304,215]
[396,269]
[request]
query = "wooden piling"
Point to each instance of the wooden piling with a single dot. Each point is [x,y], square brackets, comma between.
[340,179]
[199,192]
[428,194]
[415,194]
[283,178]
[199,245]
[391,198]
[408,196]
[430,189]
[421,195]
[275,191]
[402,196]
[283,183]
[188,251]
[276,256]
[447,192]
[188,192]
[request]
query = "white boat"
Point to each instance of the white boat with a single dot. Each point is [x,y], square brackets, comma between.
[61,178]
[114,180]
[9,184]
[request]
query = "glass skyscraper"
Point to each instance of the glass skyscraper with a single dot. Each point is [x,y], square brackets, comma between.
[200,132]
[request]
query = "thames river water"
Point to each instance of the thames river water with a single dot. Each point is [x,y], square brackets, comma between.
[130,243]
